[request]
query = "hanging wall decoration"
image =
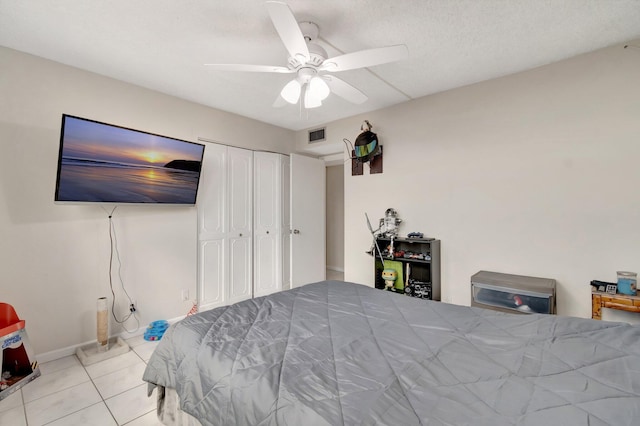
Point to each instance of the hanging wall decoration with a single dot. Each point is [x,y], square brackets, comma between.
[367,149]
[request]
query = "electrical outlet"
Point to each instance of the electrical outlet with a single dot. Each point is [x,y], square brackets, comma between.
[185,294]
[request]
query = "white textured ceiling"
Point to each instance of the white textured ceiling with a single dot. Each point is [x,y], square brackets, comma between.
[163,44]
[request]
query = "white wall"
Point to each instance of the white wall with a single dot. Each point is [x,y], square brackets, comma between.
[54,258]
[335,217]
[533,174]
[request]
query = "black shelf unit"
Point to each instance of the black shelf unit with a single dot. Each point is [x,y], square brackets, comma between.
[423,257]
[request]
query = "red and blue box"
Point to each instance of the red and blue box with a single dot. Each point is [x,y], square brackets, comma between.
[19,365]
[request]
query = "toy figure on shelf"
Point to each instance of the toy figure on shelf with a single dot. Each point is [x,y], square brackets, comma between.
[387,228]
[389,276]
[389,223]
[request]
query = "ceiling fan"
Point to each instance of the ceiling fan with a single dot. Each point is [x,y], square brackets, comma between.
[309,62]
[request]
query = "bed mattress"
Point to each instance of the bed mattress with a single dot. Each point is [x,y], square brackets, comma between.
[333,353]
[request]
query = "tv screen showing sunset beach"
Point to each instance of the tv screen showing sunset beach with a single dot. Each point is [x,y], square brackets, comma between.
[100,162]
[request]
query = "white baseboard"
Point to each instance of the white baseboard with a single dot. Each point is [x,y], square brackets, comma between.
[71,350]
[335,268]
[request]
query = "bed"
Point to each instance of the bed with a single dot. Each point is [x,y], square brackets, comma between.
[334,353]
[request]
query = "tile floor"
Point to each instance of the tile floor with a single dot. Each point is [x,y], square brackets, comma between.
[108,393]
[335,275]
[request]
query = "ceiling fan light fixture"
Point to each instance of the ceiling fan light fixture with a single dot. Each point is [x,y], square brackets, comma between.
[311,99]
[291,92]
[307,59]
[319,88]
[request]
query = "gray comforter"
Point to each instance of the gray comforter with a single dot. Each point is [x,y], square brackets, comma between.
[334,353]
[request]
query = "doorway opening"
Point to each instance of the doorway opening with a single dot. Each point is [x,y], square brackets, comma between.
[335,222]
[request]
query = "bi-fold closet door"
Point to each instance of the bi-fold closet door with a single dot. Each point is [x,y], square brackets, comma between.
[241,223]
[270,223]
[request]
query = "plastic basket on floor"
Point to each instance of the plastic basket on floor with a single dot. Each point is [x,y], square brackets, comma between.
[19,365]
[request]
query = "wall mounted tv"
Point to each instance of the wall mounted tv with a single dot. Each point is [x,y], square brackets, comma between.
[103,163]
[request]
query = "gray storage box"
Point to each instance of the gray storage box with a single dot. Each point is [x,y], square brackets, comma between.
[513,293]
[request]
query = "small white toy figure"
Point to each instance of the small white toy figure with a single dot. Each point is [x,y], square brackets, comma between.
[389,276]
[389,223]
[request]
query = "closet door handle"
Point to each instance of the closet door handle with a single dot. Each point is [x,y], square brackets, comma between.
[296,231]
[267,232]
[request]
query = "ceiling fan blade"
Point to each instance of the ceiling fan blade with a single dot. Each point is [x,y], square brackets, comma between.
[345,90]
[249,68]
[366,58]
[288,30]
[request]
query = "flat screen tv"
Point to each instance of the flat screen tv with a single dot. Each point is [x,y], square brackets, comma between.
[103,163]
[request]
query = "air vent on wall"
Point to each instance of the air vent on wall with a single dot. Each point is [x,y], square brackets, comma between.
[316,135]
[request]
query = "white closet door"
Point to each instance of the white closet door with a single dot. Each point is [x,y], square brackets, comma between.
[212,228]
[285,223]
[267,261]
[240,203]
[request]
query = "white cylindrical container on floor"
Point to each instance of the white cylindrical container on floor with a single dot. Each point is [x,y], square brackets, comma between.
[103,325]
